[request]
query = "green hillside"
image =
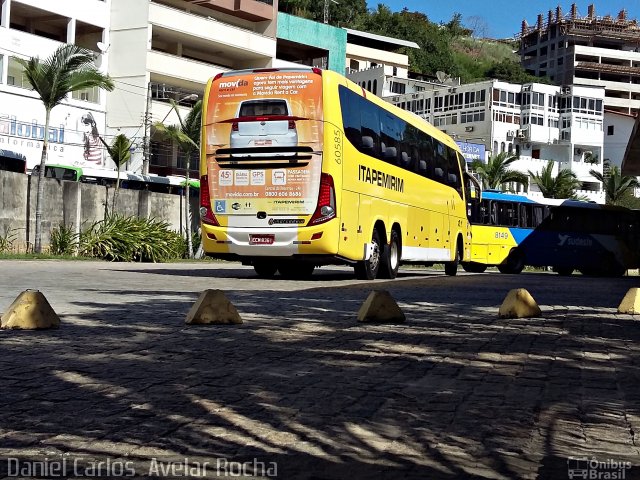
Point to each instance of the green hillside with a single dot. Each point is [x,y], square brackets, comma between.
[451,47]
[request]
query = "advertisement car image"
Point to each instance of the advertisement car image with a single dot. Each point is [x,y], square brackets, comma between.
[263,123]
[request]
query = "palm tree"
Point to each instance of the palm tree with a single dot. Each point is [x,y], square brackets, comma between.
[120,153]
[563,185]
[496,172]
[68,69]
[187,135]
[615,184]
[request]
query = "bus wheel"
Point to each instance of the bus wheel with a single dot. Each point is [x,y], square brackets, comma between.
[368,269]
[473,267]
[390,260]
[451,268]
[563,271]
[296,270]
[514,263]
[265,268]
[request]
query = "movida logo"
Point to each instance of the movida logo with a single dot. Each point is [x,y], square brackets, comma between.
[235,84]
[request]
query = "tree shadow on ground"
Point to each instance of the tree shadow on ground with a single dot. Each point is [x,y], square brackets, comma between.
[454,392]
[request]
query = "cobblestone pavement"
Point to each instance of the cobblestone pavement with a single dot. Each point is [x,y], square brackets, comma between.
[454,392]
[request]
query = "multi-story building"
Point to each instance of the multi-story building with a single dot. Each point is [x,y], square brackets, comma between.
[586,50]
[372,61]
[618,131]
[168,49]
[535,121]
[154,51]
[36,28]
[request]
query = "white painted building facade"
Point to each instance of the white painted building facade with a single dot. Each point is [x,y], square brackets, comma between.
[536,121]
[153,50]
[37,28]
[617,133]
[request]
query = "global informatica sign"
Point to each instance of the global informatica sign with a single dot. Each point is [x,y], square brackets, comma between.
[74,133]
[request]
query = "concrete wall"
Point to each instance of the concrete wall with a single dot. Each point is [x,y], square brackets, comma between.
[77,206]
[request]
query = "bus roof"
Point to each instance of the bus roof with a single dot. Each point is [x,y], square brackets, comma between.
[508,197]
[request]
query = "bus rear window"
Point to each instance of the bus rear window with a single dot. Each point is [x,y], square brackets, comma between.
[253,108]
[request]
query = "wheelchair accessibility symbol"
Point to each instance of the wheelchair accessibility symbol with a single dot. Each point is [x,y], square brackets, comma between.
[220,206]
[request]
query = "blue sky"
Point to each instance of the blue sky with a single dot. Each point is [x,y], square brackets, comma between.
[502,18]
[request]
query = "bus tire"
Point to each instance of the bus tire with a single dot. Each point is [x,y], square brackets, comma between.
[390,260]
[296,270]
[368,269]
[514,264]
[473,267]
[265,268]
[451,268]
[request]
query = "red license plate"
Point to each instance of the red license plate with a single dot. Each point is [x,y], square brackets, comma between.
[261,239]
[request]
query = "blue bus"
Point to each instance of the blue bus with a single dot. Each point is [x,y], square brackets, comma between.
[512,231]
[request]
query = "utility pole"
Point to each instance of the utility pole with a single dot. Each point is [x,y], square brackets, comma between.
[146,142]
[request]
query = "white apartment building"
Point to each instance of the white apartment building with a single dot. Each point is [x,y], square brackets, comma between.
[162,49]
[618,128]
[536,121]
[373,63]
[154,50]
[30,28]
[586,50]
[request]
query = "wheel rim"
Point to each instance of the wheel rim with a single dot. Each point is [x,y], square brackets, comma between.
[393,255]
[375,257]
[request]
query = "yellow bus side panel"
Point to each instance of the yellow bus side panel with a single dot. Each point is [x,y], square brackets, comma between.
[351,238]
[491,245]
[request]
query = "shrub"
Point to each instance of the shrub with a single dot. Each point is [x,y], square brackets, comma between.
[64,241]
[6,241]
[126,239]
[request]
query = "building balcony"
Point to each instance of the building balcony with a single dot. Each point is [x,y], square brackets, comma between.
[179,71]
[251,10]
[208,40]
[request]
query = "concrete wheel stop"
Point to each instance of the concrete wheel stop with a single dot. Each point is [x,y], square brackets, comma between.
[519,304]
[213,307]
[380,306]
[631,302]
[30,311]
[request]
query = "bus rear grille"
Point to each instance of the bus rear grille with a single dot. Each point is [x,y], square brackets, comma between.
[267,153]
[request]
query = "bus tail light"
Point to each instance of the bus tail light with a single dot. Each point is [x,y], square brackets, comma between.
[292,125]
[326,209]
[234,126]
[206,215]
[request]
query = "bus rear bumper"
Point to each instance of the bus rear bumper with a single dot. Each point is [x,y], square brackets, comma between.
[242,242]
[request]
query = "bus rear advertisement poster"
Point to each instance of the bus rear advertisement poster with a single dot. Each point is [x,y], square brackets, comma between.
[270,118]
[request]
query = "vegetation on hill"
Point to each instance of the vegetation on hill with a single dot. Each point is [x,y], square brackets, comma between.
[456,49]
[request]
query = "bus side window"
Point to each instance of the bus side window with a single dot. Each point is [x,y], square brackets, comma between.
[538,216]
[494,214]
[350,103]
[485,212]
[426,155]
[525,216]
[390,131]
[442,162]
[370,125]
[512,211]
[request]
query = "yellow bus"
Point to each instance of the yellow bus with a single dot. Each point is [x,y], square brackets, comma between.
[301,167]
